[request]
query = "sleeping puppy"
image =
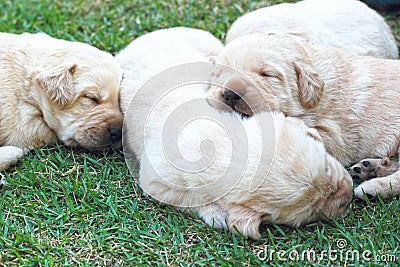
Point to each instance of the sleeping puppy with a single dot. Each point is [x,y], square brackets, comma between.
[54,89]
[233,172]
[352,101]
[346,24]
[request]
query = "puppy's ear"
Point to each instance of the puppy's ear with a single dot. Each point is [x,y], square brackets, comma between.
[310,85]
[57,82]
[245,220]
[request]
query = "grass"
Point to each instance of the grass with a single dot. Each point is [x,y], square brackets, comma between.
[73,208]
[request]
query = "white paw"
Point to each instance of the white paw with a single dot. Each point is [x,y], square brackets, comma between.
[214,216]
[358,192]
[2,180]
[9,156]
[370,189]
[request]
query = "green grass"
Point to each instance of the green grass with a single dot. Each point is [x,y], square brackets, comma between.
[68,207]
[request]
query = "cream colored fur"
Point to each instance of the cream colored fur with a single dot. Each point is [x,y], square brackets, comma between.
[303,184]
[346,24]
[54,89]
[351,100]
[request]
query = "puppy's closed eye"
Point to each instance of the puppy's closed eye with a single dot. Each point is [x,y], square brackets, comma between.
[95,100]
[270,74]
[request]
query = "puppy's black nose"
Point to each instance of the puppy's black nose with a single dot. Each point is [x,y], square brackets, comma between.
[115,134]
[231,98]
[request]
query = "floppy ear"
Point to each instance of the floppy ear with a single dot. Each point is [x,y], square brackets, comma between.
[245,221]
[310,85]
[57,82]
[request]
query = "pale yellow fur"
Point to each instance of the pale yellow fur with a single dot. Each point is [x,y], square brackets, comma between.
[304,183]
[347,24]
[351,100]
[54,89]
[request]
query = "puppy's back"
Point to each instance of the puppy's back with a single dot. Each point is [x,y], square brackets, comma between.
[146,62]
[347,24]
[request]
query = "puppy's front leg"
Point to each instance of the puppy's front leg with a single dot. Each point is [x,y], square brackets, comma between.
[384,186]
[9,156]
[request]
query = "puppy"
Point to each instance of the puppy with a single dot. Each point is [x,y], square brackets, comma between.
[233,172]
[55,89]
[350,100]
[346,24]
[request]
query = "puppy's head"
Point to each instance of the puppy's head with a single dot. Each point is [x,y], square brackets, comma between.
[304,184]
[265,72]
[79,87]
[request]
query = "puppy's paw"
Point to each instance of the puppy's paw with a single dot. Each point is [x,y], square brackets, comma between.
[372,168]
[9,156]
[2,181]
[245,221]
[370,189]
[214,216]
[361,189]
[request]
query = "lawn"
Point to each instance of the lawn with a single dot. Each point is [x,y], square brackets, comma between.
[73,208]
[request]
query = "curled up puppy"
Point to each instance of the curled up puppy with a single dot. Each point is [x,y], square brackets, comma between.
[55,89]
[233,172]
[352,101]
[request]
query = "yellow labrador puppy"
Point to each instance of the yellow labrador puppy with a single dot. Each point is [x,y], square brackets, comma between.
[233,172]
[54,89]
[347,24]
[351,100]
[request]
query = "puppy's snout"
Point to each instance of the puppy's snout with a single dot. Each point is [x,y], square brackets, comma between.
[235,87]
[231,98]
[115,134]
